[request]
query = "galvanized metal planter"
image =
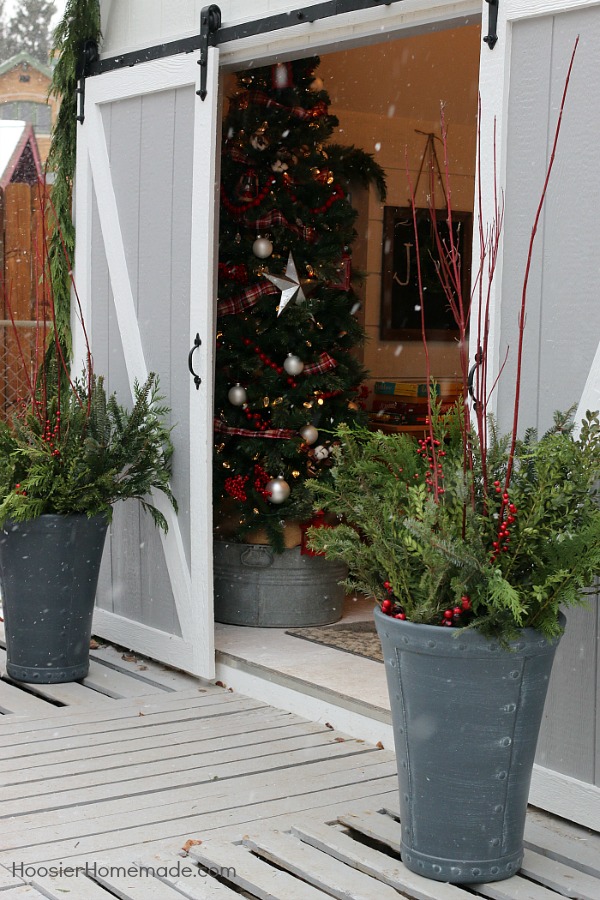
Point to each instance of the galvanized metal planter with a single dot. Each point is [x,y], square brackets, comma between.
[49,570]
[466,714]
[256,586]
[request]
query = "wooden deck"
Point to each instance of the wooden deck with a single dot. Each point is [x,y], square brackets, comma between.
[151,785]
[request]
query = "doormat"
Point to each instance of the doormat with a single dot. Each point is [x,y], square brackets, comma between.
[359,638]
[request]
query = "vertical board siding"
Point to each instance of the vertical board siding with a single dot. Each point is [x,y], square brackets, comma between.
[156,216]
[99,335]
[181,251]
[134,581]
[563,318]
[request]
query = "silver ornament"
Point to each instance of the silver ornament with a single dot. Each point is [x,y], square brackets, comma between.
[293,365]
[309,433]
[237,395]
[279,490]
[262,247]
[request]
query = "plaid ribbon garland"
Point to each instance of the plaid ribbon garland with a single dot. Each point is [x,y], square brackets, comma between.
[276,217]
[299,112]
[324,363]
[248,298]
[284,434]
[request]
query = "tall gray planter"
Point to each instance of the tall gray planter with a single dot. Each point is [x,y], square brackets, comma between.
[466,715]
[49,570]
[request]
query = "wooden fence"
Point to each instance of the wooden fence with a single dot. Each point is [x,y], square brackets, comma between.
[21,262]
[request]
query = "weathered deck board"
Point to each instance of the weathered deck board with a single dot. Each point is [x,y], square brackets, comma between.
[116,684]
[138,761]
[15,700]
[387,868]
[76,753]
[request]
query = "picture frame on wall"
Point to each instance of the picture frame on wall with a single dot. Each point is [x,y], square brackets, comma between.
[400,318]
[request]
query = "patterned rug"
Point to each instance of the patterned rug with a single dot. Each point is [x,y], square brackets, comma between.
[359,638]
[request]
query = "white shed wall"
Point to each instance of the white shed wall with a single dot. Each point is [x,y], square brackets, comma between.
[563,313]
[130,24]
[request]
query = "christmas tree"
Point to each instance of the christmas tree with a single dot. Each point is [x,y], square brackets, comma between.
[286,372]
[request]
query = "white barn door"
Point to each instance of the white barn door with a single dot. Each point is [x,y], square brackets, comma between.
[146,185]
[521,85]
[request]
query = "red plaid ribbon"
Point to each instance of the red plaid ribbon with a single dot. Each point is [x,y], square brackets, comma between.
[276,217]
[236,305]
[324,363]
[319,109]
[273,433]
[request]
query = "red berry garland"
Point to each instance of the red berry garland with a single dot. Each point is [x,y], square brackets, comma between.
[238,210]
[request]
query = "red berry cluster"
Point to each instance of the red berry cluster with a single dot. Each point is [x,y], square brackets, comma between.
[500,545]
[455,615]
[428,450]
[269,362]
[236,487]
[261,479]
[19,490]
[390,606]
[50,435]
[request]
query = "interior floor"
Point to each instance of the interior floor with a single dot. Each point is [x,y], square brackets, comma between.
[353,677]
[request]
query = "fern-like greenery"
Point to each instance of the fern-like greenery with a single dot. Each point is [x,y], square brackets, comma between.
[517,558]
[85,452]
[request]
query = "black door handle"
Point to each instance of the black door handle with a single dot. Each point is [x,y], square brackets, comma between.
[197,379]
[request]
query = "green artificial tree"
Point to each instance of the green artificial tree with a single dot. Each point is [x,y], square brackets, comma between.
[287,373]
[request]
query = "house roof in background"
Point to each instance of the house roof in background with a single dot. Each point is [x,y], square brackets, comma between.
[11,132]
[24,57]
[16,140]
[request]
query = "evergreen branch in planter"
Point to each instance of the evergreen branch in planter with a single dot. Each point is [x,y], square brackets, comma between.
[68,447]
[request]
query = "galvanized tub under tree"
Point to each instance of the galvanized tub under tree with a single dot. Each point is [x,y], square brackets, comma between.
[466,714]
[256,586]
[49,570]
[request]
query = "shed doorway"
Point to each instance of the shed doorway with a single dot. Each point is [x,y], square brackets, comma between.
[387,98]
